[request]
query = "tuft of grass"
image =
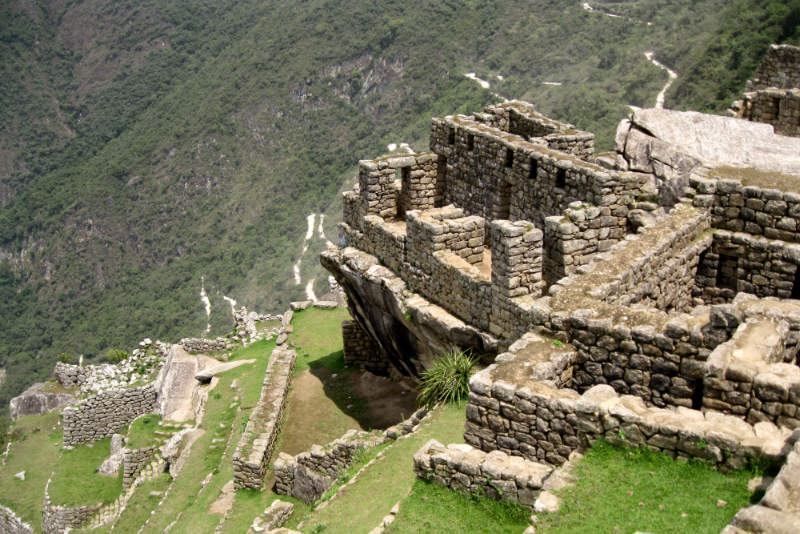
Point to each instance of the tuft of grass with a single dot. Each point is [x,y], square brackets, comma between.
[432,508]
[628,490]
[447,380]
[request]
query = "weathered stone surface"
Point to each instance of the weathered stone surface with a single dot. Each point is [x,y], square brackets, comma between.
[35,401]
[717,141]
[10,523]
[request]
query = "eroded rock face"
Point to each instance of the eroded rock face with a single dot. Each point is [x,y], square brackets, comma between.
[35,402]
[410,331]
[660,137]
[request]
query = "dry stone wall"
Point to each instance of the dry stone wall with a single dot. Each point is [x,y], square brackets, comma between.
[780,67]
[778,107]
[205,346]
[759,210]
[777,511]
[69,375]
[102,415]
[541,423]
[258,439]
[133,461]
[739,262]
[574,238]
[746,376]
[496,475]
[310,474]
[393,185]
[361,351]
[59,519]
[10,523]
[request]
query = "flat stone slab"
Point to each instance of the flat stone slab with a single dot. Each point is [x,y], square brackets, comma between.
[720,141]
[208,373]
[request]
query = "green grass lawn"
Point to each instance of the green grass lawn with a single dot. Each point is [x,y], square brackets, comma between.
[432,508]
[317,337]
[360,507]
[142,432]
[223,420]
[623,490]
[76,480]
[35,437]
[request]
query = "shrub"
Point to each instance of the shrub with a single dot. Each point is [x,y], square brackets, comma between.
[116,355]
[448,379]
[65,357]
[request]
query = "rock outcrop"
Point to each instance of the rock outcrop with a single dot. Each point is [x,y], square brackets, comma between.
[35,401]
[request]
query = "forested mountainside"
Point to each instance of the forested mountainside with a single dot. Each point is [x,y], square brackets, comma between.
[150,148]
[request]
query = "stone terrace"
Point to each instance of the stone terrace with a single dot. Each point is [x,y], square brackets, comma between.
[646,307]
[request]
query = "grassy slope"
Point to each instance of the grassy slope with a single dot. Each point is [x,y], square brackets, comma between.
[36,450]
[362,506]
[432,508]
[196,141]
[81,463]
[634,490]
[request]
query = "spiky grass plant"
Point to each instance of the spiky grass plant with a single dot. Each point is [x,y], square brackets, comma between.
[447,380]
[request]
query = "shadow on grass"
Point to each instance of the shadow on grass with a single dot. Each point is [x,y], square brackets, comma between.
[374,402]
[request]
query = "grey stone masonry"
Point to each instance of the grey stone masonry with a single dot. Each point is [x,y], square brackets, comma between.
[69,375]
[309,474]
[393,185]
[102,415]
[360,350]
[777,512]
[205,346]
[273,517]
[133,461]
[60,519]
[499,175]
[258,439]
[778,107]
[574,238]
[538,422]
[780,67]
[741,263]
[757,207]
[746,376]
[11,524]
[496,474]
[521,118]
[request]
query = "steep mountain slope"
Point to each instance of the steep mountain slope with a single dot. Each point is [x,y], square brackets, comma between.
[147,144]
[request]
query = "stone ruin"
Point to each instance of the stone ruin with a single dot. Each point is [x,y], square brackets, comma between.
[647,296]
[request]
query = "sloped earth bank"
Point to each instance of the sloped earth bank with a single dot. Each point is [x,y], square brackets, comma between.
[323,405]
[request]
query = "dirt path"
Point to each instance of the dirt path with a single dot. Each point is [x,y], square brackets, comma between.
[672,77]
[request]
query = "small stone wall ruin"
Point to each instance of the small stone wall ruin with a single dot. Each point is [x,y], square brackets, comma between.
[308,475]
[359,349]
[59,519]
[69,375]
[133,461]
[250,460]
[104,414]
[496,475]
[10,523]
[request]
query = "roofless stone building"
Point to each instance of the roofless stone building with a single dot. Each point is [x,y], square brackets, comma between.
[648,296]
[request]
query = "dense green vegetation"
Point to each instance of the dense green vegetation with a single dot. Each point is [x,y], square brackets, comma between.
[447,380]
[148,143]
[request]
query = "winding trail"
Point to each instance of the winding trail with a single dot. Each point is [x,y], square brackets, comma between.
[672,77]
[206,303]
[232,303]
[485,84]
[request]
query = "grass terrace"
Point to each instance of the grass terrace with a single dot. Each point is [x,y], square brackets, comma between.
[142,432]
[80,464]
[37,438]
